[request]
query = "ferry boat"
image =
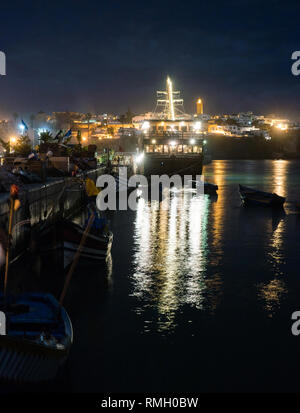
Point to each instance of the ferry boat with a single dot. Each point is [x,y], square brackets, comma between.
[171,141]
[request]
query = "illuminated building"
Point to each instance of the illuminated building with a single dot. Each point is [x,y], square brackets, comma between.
[199,107]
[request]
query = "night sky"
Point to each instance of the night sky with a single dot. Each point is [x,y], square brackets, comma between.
[107,56]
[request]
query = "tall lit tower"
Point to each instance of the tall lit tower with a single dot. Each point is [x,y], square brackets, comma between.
[171,114]
[170,101]
[199,107]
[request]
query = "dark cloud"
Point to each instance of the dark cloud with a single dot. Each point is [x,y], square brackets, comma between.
[106,56]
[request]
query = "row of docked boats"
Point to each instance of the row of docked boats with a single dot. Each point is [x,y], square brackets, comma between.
[36,331]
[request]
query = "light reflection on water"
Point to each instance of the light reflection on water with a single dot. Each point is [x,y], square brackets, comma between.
[171,255]
[181,254]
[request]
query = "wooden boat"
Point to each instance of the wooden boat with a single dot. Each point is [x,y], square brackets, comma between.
[251,196]
[96,247]
[208,187]
[38,337]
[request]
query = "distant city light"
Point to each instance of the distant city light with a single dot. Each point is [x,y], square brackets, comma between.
[41,130]
[172,143]
[145,126]
[84,138]
[197,126]
[153,141]
[13,140]
[21,127]
[281,126]
[192,141]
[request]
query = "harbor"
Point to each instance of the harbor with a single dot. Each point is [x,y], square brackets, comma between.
[149,205]
[170,304]
[94,259]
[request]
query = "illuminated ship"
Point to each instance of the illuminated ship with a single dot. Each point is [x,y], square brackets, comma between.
[172,141]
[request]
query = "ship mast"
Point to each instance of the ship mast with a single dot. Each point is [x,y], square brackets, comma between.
[171,113]
[169,101]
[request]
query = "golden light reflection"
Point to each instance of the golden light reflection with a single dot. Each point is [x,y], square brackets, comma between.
[218,171]
[279,176]
[171,256]
[272,293]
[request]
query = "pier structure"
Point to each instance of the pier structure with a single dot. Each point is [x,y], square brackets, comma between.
[41,204]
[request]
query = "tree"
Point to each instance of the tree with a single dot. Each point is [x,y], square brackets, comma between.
[46,137]
[127,117]
[23,145]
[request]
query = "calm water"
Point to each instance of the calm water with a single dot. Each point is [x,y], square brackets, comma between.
[198,297]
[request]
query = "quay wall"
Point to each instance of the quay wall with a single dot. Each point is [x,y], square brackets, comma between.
[39,201]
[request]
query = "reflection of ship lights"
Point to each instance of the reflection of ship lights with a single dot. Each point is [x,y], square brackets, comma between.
[139,158]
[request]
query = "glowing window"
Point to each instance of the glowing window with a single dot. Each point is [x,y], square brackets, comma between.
[158,148]
[187,149]
[149,148]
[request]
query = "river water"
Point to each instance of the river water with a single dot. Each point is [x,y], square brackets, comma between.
[198,297]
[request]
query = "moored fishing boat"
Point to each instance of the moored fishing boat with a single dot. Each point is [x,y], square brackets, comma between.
[252,196]
[208,188]
[97,244]
[37,339]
